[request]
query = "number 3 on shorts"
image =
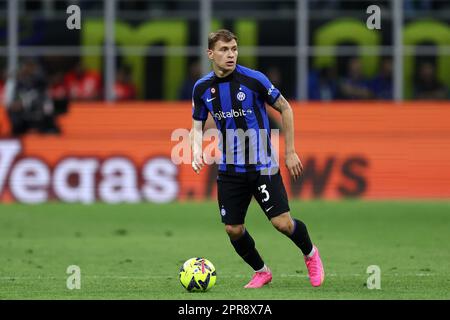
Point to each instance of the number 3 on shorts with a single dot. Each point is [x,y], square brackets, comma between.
[263,190]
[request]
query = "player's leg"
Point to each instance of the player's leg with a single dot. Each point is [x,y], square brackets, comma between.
[245,247]
[272,197]
[294,229]
[234,197]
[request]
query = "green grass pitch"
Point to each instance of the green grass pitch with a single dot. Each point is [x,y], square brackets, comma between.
[135,251]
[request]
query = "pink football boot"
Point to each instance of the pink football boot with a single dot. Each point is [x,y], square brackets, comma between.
[259,279]
[315,268]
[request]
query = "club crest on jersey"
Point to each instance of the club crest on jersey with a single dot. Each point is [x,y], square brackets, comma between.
[213,90]
[240,96]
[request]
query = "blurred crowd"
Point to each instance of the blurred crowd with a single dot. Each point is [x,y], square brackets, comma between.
[351,84]
[28,100]
[39,94]
[180,5]
[36,96]
[42,89]
[346,81]
[412,7]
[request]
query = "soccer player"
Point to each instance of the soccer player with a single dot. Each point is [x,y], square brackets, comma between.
[235,96]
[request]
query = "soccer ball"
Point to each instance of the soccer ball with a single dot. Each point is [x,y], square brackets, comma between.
[197,274]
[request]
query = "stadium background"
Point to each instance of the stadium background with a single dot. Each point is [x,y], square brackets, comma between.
[371,111]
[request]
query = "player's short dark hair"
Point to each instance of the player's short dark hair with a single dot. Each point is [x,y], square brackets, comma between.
[220,35]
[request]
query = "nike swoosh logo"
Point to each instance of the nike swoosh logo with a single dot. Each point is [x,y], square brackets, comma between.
[209,100]
[267,210]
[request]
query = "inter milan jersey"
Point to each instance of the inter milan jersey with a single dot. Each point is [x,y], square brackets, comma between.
[237,105]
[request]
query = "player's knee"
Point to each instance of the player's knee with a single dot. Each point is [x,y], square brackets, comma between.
[235,231]
[283,223]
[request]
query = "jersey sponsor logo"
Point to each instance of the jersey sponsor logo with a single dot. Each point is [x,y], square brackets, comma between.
[232,114]
[240,96]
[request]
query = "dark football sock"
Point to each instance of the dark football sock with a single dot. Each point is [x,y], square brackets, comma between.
[301,238]
[245,247]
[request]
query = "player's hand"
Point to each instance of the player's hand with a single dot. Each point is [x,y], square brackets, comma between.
[197,164]
[294,165]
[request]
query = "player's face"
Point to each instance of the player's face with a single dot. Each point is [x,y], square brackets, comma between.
[224,55]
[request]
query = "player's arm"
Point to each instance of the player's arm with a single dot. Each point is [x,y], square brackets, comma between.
[293,162]
[199,117]
[196,139]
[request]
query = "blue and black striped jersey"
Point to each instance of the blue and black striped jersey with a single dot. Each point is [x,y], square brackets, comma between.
[237,101]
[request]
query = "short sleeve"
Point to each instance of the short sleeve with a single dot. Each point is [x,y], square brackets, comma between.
[199,110]
[270,93]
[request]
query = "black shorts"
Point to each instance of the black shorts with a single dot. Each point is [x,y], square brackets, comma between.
[235,192]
